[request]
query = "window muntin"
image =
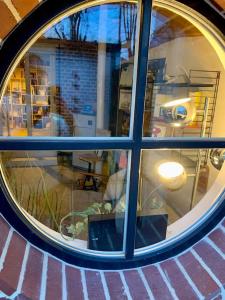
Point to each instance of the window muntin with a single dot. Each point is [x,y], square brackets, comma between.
[145,143]
[77,78]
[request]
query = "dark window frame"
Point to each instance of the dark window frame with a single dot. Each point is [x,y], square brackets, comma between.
[23,32]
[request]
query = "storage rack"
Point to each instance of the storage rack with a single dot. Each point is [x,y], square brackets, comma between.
[204,86]
[15,104]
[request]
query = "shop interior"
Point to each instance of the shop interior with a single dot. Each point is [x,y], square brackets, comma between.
[67,191]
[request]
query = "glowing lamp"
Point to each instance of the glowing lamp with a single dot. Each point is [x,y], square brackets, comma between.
[177,102]
[172,175]
[179,112]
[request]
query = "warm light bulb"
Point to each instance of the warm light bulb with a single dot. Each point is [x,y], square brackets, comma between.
[172,175]
[170,169]
[177,102]
[176,124]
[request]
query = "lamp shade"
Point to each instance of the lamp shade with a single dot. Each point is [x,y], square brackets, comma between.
[172,175]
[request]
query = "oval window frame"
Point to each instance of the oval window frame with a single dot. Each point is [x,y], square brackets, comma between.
[28,29]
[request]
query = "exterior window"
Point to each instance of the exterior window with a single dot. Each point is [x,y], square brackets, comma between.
[184,94]
[183,98]
[113,153]
[176,187]
[77,78]
[76,195]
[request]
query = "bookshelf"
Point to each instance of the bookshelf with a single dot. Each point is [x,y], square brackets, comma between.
[40,95]
[27,101]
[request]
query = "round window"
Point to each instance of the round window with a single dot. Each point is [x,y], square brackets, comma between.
[107,147]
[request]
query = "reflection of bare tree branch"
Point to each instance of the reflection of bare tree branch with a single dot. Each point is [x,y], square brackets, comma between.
[169,27]
[57,32]
[129,14]
[75,26]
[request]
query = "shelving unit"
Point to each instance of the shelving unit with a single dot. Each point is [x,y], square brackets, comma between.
[15,106]
[28,94]
[202,87]
[40,92]
[39,70]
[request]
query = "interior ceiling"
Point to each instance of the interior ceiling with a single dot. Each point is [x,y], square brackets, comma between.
[169,26]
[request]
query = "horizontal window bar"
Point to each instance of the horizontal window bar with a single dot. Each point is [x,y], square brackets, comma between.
[188,143]
[12,143]
[67,143]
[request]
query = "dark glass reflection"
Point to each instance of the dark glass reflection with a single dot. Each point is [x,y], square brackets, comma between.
[76,80]
[184,94]
[74,196]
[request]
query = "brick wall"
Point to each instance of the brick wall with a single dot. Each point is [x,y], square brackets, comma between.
[76,76]
[29,273]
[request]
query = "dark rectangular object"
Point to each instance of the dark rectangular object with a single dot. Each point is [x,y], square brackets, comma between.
[150,230]
[105,233]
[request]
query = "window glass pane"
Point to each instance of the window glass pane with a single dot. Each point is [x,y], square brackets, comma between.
[77,197]
[76,80]
[176,188]
[185,81]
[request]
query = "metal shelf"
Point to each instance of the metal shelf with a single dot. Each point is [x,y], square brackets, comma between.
[206,83]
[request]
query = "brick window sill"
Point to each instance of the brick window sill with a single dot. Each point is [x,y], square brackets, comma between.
[27,272]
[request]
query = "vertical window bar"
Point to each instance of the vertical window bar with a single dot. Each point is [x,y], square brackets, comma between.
[142,62]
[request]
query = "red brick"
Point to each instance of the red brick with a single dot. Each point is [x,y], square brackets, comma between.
[54,280]
[212,259]
[135,284]
[205,284]
[94,285]
[24,6]
[4,229]
[32,278]
[73,283]
[177,280]
[115,285]
[7,22]
[10,273]
[156,283]
[218,237]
